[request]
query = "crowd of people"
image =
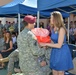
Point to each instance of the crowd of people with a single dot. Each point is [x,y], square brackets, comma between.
[72,31]
[8,40]
[36,58]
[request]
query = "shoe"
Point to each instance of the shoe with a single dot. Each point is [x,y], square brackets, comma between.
[17,70]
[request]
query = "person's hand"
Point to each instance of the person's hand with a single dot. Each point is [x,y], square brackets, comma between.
[43,63]
[39,45]
[1,60]
[42,44]
[45,47]
[3,50]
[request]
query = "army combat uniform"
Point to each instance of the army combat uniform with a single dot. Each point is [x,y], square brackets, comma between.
[13,57]
[29,51]
[46,57]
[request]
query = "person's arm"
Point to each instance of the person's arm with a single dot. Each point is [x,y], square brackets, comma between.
[34,47]
[60,40]
[13,55]
[4,59]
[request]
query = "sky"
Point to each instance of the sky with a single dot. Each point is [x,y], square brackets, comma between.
[31,3]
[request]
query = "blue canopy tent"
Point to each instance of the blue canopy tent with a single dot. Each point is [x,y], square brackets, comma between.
[66,6]
[17,7]
[47,4]
[21,7]
[13,7]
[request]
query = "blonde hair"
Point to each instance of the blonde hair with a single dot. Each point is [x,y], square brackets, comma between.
[5,38]
[58,20]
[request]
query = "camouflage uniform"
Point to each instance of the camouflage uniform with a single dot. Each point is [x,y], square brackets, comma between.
[13,57]
[46,69]
[29,51]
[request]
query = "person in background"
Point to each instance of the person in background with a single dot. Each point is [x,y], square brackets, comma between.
[16,27]
[9,23]
[11,28]
[49,27]
[41,25]
[8,47]
[13,23]
[75,23]
[1,27]
[14,39]
[1,42]
[35,25]
[72,33]
[60,59]
[66,25]
[4,31]
[21,26]
[6,26]
[71,23]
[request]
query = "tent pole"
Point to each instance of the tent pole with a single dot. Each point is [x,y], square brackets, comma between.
[38,14]
[68,29]
[19,23]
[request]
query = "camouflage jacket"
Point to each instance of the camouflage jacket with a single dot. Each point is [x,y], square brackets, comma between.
[29,51]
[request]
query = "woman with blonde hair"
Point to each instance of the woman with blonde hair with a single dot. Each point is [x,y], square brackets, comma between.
[8,46]
[60,59]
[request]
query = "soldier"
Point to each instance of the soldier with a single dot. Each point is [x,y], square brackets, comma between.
[29,50]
